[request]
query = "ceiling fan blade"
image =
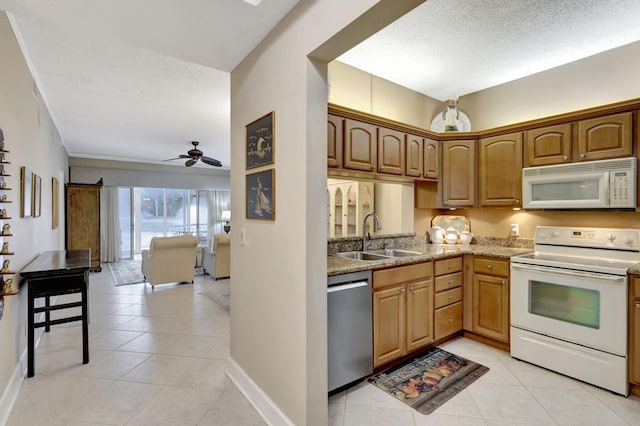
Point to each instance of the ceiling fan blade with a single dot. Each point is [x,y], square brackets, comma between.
[171,159]
[185,156]
[210,161]
[190,163]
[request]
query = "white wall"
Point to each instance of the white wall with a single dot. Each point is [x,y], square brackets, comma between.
[394,205]
[278,318]
[146,175]
[33,142]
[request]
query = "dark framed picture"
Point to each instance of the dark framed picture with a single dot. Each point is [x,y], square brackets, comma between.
[26,191]
[260,141]
[261,195]
[36,205]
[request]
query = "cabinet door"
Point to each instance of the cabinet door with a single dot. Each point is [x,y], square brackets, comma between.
[334,141]
[83,220]
[605,137]
[548,145]
[415,159]
[419,314]
[634,331]
[359,145]
[458,173]
[431,159]
[491,306]
[500,170]
[390,151]
[388,324]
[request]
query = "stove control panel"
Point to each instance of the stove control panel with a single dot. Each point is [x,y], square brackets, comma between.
[614,238]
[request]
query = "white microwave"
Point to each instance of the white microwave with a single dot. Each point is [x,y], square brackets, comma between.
[602,184]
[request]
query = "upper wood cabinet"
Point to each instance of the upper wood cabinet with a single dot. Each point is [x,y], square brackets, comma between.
[414,164]
[360,143]
[335,129]
[548,145]
[390,151]
[605,137]
[431,159]
[500,170]
[458,182]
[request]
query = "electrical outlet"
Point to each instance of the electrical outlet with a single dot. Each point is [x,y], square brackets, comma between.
[515,230]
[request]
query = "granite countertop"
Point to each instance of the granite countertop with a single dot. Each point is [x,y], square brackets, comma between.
[340,265]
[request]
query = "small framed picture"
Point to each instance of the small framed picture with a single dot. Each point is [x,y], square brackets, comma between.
[260,141]
[37,195]
[261,195]
[54,202]
[26,192]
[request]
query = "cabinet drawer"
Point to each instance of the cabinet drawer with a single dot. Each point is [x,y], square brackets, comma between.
[636,286]
[491,266]
[447,282]
[447,266]
[448,297]
[448,320]
[402,274]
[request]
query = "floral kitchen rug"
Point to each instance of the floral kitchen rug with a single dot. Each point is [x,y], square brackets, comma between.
[429,380]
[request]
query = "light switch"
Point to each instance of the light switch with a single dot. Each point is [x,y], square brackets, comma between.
[243,237]
[515,229]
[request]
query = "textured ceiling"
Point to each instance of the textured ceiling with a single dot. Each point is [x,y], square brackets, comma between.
[139,79]
[450,48]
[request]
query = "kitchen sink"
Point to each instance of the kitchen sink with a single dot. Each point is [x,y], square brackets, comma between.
[362,255]
[395,252]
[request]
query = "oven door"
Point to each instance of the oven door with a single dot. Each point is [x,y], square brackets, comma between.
[586,308]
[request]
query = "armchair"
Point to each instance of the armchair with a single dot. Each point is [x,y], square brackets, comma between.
[216,260]
[169,259]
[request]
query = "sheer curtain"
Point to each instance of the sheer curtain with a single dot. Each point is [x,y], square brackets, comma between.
[109,225]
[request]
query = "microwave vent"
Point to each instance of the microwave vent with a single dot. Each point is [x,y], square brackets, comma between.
[588,166]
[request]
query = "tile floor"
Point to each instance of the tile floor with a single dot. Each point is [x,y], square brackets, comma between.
[158,358]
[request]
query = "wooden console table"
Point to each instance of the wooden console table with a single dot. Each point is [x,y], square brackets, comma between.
[54,273]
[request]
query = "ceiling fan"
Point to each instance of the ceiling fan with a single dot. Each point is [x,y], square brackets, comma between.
[194,154]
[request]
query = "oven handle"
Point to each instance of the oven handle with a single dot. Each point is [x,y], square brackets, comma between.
[549,269]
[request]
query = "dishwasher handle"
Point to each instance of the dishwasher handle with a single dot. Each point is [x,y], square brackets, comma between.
[347,286]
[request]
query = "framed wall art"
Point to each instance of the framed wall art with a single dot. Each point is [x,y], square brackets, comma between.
[55,188]
[26,191]
[36,205]
[260,141]
[261,195]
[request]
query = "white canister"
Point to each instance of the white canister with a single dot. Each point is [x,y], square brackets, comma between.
[451,235]
[466,237]
[436,234]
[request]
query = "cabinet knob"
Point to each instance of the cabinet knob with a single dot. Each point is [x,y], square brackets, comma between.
[373,167]
[450,297]
[411,288]
[445,202]
[517,201]
[451,266]
[504,282]
[582,155]
[381,167]
[402,290]
[489,267]
[450,320]
[450,281]
[565,158]
[637,305]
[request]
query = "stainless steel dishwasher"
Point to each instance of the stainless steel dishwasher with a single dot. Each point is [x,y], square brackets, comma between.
[350,333]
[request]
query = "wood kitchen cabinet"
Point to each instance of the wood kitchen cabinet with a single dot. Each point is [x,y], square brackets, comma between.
[431,159]
[335,129]
[548,145]
[448,297]
[458,181]
[360,145]
[491,298]
[402,311]
[500,170]
[605,137]
[83,219]
[634,332]
[414,164]
[391,148]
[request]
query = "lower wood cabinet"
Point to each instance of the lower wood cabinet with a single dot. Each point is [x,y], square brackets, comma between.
[634,330]
[448,297]
[491,298]
[402,311]
[83,219]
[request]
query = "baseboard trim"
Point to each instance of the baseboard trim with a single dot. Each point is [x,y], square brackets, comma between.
[265,407]
[10,395]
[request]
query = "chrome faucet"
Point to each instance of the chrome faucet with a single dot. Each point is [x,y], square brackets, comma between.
[364,227]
